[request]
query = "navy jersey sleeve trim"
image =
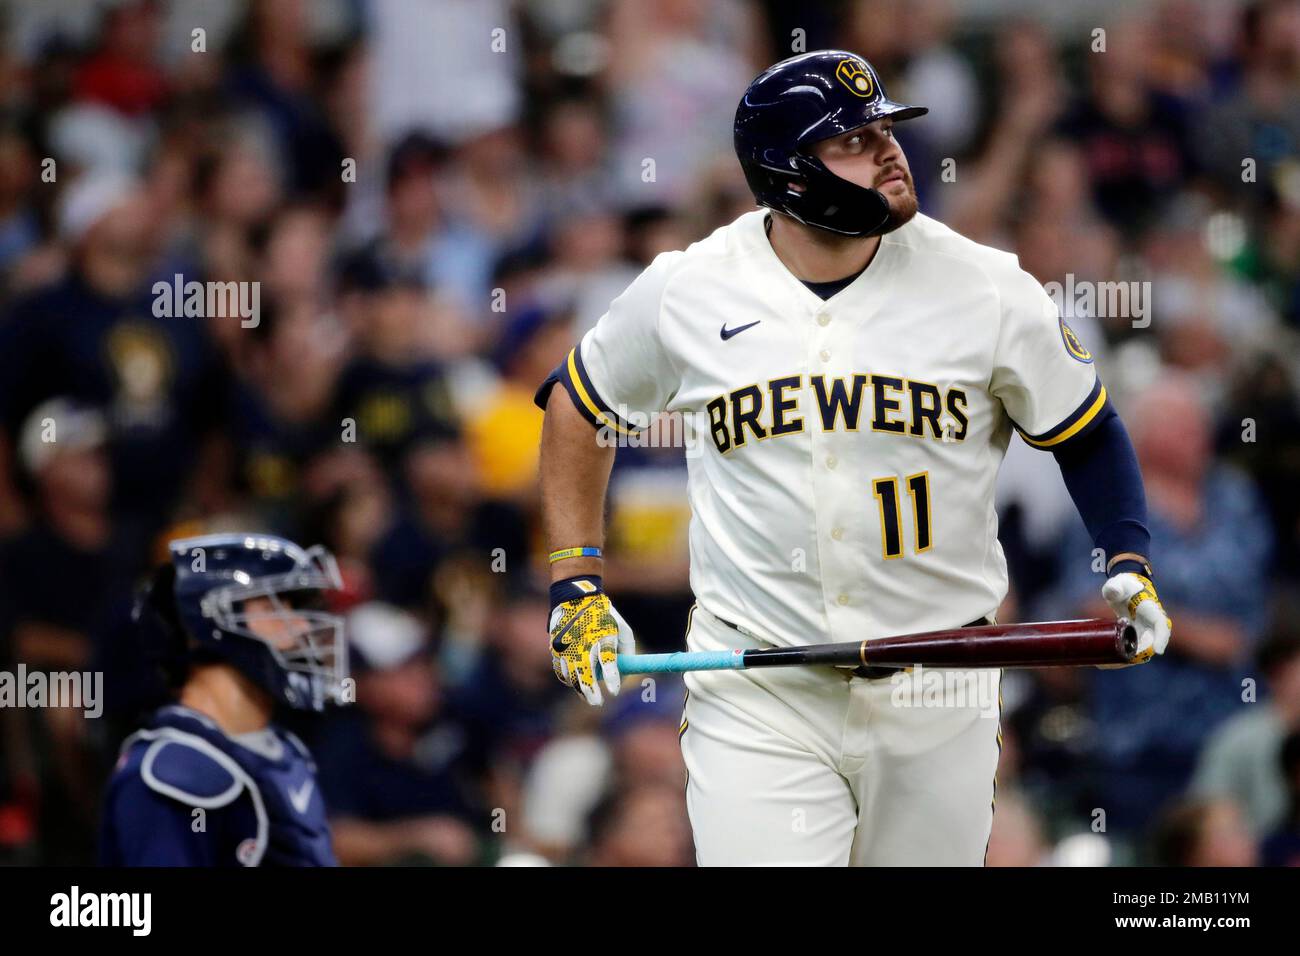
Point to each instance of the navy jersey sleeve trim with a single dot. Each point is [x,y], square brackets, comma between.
[572,374]
[543,393]
[1077,424]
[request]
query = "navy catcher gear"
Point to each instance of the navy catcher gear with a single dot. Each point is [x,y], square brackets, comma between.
[799,102]
[256,794]
[295,652]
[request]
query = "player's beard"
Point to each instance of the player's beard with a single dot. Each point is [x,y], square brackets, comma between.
[902,206]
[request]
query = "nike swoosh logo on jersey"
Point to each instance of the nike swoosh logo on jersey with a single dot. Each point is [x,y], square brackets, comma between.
[727,333]
[301,797]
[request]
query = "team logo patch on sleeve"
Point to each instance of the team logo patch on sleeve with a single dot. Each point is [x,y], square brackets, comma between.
[852,74]
[1074,346]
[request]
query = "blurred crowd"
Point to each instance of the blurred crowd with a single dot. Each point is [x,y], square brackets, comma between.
[435,199]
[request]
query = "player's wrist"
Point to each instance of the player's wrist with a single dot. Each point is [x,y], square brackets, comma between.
[577,567]
[574,588]
[1130,562]
[574,562]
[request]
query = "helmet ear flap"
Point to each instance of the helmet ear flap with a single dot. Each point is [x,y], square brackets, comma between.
[835,204]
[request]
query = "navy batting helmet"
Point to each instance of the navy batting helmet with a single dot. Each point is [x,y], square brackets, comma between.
[292,649]
[796,103]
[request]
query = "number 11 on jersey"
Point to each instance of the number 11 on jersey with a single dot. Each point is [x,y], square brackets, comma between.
[891,518]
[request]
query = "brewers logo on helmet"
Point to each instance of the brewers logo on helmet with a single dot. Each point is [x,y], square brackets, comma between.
[853,74]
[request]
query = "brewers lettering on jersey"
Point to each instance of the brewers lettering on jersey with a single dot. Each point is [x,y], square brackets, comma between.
[855,371]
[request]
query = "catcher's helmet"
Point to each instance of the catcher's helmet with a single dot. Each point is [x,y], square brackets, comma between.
[796,103]
[297,653]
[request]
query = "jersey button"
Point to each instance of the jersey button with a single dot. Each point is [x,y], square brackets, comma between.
[823,319]
[838,534]
[842,600]
[832,461]
[825,355]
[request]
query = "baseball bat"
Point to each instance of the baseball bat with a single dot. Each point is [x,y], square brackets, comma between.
[1094,642]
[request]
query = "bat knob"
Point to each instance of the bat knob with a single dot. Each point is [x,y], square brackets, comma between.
[1128,640]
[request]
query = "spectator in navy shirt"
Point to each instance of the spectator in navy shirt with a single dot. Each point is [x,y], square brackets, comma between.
[393,768]
[93,337]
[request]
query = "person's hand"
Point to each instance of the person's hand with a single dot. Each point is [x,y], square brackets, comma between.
[1133,598]
[587,635]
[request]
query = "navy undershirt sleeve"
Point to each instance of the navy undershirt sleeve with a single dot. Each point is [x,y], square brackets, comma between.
[1101,473]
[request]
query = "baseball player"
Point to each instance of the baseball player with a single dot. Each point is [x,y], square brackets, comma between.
[210,781]
[854,372]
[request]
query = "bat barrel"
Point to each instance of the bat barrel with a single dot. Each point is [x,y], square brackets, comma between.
[1051,644]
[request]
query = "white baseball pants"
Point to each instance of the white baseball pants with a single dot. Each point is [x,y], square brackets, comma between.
[811,766]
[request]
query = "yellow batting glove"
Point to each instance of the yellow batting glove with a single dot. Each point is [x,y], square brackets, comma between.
[1133,598]
[587,635]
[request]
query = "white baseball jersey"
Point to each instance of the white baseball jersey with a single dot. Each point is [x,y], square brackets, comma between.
[850,446]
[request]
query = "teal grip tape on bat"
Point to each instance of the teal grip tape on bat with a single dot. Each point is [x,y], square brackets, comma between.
[680,662]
